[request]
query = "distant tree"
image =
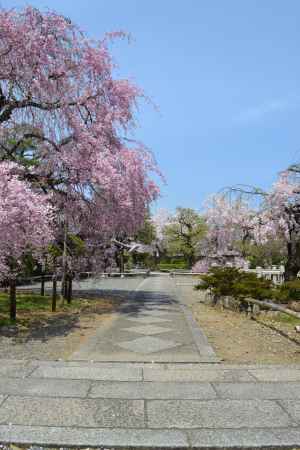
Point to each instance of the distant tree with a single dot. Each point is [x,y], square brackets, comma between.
[272,252]
[147,233]
[275,219]
[229,224]
[183,233]
[280,218]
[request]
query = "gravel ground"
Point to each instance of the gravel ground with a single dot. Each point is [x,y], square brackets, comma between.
[238,339]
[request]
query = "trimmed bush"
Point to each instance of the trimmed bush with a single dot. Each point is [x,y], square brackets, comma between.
[229,281]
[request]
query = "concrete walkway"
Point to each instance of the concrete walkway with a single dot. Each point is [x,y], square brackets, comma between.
[177,401]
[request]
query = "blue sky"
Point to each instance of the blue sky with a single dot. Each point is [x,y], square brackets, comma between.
[225,76]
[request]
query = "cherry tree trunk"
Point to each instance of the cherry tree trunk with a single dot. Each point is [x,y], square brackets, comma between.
[292,266]
[191,261]
[12,299]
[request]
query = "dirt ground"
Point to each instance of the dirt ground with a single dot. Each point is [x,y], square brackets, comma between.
[54,336]
[237,338]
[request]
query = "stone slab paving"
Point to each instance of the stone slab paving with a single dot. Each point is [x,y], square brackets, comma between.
[152,325]
[89,372]
[217,414]
[143,405]
[159,394]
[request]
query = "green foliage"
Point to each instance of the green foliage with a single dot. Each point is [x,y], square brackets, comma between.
[54,250]
[147,234]
[178,265]
[143,260]
[183,235]
[288,291]
[268,254]
[26,152]
[229,281]
[29,265]
[76,245]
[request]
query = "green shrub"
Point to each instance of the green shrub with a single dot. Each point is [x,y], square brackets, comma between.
[229,281]
[288,291]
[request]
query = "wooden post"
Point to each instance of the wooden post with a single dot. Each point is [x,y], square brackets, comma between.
[54,292]
[69,288]
[43,266]
[122,260]
[12,298]
[64,263]
[43,284]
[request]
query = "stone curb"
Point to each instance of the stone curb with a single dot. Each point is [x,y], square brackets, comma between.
[134,439]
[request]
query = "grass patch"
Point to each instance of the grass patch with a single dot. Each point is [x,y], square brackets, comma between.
[284,318]
[32,307]
[26,302]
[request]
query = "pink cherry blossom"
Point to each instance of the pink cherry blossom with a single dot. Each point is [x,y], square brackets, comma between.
[58,91]
[26,220]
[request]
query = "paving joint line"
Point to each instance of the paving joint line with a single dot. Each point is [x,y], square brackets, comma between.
[296,421]
[146,421]
[91,385]
[5,397]
[28,375]
[253,376]
[212,384]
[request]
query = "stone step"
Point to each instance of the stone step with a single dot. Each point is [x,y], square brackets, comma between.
[118,405]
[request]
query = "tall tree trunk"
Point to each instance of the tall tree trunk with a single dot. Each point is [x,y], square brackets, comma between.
[12,298]
[292,266]
[191,257]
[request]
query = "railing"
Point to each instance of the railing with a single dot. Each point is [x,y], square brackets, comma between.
[274,273]
[81,276]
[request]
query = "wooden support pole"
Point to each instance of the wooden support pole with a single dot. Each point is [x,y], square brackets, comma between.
[43,284]
[12,298]
[54,292]
[273,307]
[69,288]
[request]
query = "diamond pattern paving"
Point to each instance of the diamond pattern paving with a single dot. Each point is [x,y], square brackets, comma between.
[147,345]
[148,329]
[156,312]
[146,319]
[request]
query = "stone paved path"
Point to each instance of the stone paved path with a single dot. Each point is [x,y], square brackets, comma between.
[174,402]
[152,325]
